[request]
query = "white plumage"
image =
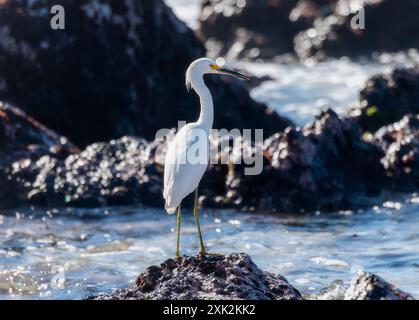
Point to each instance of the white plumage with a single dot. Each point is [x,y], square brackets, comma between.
[182,177]
[181,173]
[188,154]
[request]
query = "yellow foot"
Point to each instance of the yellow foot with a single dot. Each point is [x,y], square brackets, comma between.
[206,253]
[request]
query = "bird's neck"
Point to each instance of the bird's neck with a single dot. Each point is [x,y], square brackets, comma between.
[206,117]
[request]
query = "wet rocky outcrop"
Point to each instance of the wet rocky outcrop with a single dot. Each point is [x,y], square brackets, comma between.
[23,136]
[124,171]
[118,172]
[256,29]
[23,140]
[248,29]
[368,286]
[328,165]
[316,29]
[231,277]
[117,69]
[390,26]
[235,277]
[325,166]
[400,142]
[386,98]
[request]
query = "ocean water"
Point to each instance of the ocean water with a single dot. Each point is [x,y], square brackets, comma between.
[73,253]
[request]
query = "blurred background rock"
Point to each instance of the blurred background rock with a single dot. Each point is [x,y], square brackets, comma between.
[117,69]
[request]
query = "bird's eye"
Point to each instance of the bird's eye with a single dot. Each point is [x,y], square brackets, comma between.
[214,67]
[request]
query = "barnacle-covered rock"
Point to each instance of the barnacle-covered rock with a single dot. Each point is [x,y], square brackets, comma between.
[324,166]
[118,172]
[23,140]
[400,142]
[368,286]
[386,98]
[230,277]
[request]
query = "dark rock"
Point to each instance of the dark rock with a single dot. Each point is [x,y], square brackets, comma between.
[400,142]
[22,136]
[254,29]
[37,197]
[125,171]
[234,276]
[390,27]
[248,29]
[326,166]
[117,69]
[119,172]
[368,286]
[23,140]
[387,98]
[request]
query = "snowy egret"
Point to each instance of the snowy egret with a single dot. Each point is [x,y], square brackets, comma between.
[188,154]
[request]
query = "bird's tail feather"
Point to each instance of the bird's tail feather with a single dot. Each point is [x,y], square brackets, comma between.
[170,210]
[167,196]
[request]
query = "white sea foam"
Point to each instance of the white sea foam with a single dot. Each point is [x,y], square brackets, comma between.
[330,262]
[301,91]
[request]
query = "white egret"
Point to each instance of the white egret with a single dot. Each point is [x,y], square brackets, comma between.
[188,154]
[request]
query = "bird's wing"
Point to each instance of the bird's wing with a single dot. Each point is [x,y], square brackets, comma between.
[181,174]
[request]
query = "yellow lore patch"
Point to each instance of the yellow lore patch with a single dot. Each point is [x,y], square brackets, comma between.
[215,67]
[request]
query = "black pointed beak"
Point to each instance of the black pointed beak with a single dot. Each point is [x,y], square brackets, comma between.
[233,73]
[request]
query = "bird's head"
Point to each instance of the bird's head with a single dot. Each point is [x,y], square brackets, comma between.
[204,66]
